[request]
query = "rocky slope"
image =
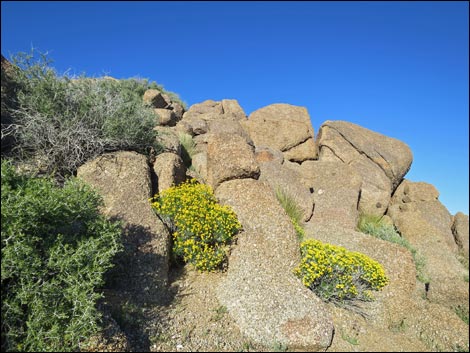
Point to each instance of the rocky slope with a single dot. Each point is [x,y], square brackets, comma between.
[257,303]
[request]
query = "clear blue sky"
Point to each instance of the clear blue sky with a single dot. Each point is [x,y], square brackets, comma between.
[398,68]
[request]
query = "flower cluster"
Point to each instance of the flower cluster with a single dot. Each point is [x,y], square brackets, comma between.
[336,274]
[201,227]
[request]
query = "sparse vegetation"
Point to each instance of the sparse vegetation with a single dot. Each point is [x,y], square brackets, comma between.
[220,312]
[375,226]
[201,228]
[279,347]
[188,148]
[59,122]
[56,248]
[349,339]
[293,210]
[462,313]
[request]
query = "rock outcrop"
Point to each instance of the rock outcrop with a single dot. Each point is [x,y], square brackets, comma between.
[167,111]
[229,157]
[427,225]
[336,188]
[169,169]
[283,127]
[123,180]
[286,180]
[260,291]
[460,231]
[380,160]
[346,171]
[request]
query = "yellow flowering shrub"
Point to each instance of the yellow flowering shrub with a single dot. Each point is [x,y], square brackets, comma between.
[201,228]
[336,274]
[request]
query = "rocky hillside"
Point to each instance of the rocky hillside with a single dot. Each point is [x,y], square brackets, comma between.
[258,304]
[337,178]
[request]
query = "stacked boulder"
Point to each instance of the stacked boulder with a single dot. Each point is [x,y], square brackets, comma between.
[381,161]
[168,166]
[260,291]
[169,112]
[346,171]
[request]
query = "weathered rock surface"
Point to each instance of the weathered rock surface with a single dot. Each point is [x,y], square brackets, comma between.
[266,154]
[229,157]
[380,160]
[288,181]
[166,117]
[156,99]
[426,224]
[336,189]
[231,107]
[199,163]
[216,117]
[260,291]
[178,110]
[168,139]
[123,180]
[460,231]
[170,170]
[396,260]
[303,152]
[283,127]
[229,126]
[192,125]
[208,106]
[399,318]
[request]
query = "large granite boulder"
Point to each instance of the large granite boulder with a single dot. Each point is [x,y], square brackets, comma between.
[168,139]
[228,126]
[231,107]
[286,180]
[380,160]
[336,188]
[260,291]
[206,107]
[427,225]
[166,117]
[123,180]
[212,116]
[283,127]
[156,99]
[170,170]
[229,157]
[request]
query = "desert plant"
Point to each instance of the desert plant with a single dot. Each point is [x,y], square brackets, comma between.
[462,313]
[336,274]
[62,121]
[375,226]
[201,228]
[55,248]
[293,210]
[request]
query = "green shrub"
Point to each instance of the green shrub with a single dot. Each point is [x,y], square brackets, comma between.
[336,274]
[60,122]
[293,210]
[201,227]
[375,226]
[55,250]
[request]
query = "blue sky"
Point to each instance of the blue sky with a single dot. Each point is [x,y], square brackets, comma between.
[398,68]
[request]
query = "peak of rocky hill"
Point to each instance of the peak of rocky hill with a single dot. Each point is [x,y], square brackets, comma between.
[347,171]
